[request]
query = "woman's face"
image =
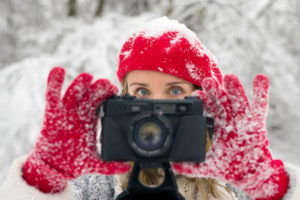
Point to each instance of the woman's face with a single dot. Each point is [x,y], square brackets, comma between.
[156,85]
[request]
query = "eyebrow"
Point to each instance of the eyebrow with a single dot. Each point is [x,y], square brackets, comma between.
[140,84]
[168,84]
[177,82]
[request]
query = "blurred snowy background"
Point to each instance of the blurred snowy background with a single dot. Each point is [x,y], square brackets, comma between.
[247,37]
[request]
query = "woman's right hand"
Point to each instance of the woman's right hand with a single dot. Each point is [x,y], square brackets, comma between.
[66,147]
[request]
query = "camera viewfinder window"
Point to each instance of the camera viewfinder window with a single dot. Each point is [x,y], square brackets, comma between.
[166,108]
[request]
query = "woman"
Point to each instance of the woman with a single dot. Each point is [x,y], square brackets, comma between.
[162,60]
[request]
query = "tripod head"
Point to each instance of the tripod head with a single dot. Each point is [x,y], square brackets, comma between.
[167,190]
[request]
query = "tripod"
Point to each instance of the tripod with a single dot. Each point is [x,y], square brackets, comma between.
[167,190]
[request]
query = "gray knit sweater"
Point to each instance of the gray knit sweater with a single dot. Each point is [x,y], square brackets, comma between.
[101,187]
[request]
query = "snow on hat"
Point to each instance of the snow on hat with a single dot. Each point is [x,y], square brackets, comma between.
[167,46]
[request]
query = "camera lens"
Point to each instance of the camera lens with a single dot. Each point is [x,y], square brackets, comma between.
[149,135]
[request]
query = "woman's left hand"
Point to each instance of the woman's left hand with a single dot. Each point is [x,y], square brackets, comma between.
[239,154]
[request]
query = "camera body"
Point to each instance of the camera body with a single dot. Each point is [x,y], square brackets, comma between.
[153,131]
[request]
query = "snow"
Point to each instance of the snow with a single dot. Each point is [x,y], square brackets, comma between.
[242,47]
[191,69]
[150,29]
[23,84]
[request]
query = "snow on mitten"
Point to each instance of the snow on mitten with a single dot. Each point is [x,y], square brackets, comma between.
[239,154]
[66,147]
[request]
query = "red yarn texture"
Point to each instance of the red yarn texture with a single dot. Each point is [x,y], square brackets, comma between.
[171,53]
[66,147]
[239,154]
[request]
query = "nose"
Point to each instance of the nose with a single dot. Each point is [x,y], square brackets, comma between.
[158,96]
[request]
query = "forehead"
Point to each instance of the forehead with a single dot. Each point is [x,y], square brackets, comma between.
[149,76]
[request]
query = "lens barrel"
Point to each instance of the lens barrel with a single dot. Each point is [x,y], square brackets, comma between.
[150,134]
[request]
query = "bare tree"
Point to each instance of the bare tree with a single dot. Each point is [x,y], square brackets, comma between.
[100,7]
[170,8]
[72,8]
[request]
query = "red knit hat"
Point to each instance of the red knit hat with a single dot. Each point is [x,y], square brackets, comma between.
[167,46]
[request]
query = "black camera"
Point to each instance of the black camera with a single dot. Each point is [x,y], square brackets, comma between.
[153,131]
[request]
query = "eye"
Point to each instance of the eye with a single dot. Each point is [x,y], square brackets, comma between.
[142,92]
[175,91]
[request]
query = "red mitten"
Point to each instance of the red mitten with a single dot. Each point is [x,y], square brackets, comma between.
[239,154]
[66,148]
